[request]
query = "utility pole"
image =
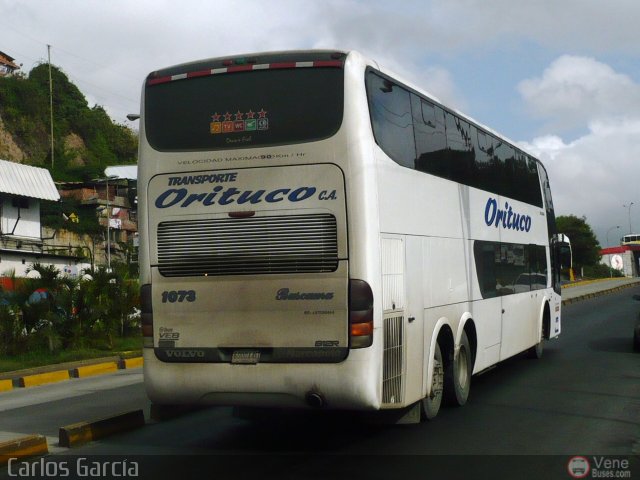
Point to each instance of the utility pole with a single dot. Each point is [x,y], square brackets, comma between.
[629,206]
[108,230]
[50,101]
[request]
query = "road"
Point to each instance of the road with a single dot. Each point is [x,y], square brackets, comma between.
[46,408]
[581,398]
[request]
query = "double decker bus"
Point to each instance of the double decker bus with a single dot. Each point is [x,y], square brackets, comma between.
[316,232]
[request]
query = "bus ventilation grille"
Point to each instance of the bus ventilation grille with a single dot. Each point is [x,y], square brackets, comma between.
[248,246]
[393,360]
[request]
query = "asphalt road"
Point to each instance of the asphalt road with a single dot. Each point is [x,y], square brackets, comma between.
[581,398]
[46,408]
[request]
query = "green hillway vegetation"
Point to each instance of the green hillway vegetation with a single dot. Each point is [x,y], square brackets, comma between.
[85,139]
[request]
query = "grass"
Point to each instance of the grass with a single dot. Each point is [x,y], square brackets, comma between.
[128,346]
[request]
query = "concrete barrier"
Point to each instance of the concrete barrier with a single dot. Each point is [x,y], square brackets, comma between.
[83,432]
[135,362]
[597,293]
[42,378]
[29,446]
[6,385]
[95,369]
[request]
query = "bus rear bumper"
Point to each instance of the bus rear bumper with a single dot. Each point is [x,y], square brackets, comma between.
[352,384]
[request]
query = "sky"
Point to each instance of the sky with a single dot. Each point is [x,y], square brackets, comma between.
[560,78]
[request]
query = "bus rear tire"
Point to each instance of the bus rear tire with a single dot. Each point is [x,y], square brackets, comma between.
[431,403]
[535,352]
[457,379]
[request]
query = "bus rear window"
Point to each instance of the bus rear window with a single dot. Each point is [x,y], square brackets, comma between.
[244,109]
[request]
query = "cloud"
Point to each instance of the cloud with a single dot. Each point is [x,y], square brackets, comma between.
[574,89]
[596,174]
[111,46]
[564,26]
[108,48]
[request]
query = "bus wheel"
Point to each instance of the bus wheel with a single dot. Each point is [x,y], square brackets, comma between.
[536,351]
[457,379]
[431,403]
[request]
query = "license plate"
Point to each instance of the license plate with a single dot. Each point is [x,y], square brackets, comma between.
[246,357]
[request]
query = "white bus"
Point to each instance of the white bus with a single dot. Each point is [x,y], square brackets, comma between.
[316,232]
[631,239]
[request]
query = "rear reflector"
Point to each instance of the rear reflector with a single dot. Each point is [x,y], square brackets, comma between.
[361,329]
[360,314]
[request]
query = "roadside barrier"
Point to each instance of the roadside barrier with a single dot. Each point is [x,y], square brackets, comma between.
[29,446]
[42,378]
[32,380]
[83,432]
[96,369]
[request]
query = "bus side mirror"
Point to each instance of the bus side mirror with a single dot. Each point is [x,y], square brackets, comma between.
[564,255]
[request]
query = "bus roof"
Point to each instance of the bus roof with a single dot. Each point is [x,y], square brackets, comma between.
[244,62]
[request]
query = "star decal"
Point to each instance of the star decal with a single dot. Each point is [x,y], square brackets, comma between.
[262,113]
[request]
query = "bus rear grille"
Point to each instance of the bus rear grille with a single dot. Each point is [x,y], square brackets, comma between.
[393,360]
[248,246]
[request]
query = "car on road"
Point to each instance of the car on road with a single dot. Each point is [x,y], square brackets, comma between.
[529,281]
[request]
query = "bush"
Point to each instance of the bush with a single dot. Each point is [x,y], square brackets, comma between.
[68,313]
[600,271]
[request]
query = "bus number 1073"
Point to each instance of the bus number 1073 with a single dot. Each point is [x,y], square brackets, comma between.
[173,296]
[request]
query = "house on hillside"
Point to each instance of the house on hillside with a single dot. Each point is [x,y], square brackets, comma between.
[22,188]
[113,200]
[7,65]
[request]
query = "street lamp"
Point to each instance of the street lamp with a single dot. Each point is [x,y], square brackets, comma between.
[610,269]
[629,206]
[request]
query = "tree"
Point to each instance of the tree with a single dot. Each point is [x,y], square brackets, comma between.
[584,245]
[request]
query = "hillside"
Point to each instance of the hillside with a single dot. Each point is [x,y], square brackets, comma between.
[86,139]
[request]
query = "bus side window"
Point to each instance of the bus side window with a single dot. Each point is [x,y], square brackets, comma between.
[513,186]
[431,142]
[460,155]
[391,118]
[534,194]
[487,174]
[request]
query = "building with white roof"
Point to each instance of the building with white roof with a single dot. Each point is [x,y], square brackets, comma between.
[22,188]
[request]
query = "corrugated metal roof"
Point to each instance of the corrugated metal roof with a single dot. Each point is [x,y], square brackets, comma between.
[27,181]
[130,172]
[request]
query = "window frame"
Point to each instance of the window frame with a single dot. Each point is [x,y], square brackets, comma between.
[498,186]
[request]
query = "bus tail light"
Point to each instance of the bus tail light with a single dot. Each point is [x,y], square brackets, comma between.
[360,314]
[146,315]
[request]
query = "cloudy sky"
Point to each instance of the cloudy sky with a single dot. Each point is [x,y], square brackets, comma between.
[561,78]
